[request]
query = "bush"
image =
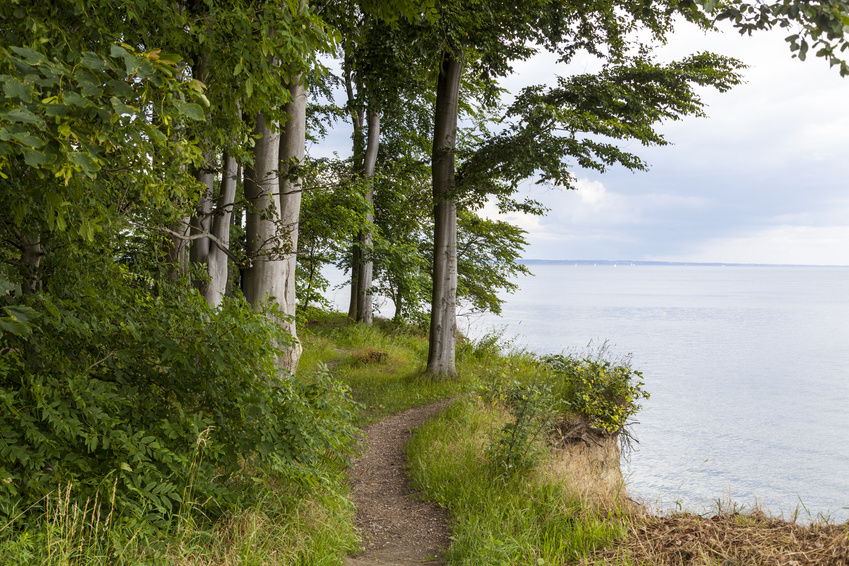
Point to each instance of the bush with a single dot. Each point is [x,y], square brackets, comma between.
[605,393]
[513,448]
[155,405]
[543,394]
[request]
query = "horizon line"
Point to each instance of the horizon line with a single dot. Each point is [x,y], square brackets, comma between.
[672,263]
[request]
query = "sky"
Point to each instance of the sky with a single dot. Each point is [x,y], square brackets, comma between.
[762,179]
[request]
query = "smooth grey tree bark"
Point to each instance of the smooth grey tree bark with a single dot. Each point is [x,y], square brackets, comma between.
[176,256]
[263,275]
[358,121]
[201,220]
[365,268]
[216,261]
[443,315]
[291,158]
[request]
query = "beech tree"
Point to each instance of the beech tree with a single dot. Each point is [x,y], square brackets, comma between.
[110,369]
[485,40]
[381,75]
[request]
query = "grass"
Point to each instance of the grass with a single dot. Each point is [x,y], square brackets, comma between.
[546,513]
[383,364]
[501,519]
[285,526]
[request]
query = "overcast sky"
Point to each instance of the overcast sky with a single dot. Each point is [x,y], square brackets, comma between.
[763,179]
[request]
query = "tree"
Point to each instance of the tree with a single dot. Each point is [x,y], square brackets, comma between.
[111,371]
[380,75]
[487,41]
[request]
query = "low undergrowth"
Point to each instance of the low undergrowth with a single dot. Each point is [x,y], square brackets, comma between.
[284,526]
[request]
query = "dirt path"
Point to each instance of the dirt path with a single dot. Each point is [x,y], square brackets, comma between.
[397,528]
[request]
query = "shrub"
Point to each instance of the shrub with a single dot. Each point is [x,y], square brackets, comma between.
[605,393]
[513,448]
[156,404]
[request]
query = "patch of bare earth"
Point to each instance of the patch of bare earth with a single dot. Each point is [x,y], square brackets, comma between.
[397,528]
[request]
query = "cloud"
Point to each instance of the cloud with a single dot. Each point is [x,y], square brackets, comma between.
[761,179]
[802,245]
[591,192]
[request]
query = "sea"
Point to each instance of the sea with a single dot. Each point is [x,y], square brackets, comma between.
[747,368]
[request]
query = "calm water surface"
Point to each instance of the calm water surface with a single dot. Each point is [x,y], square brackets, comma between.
[748,370]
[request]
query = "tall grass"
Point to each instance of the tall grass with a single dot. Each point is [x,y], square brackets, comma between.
[501,519]
[285,526]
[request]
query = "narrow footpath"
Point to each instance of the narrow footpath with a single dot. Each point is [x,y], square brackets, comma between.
[398,529]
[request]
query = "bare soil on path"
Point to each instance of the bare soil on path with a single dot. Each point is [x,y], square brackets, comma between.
[398,529]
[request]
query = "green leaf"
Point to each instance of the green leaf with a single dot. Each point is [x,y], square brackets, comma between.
[29,56]
[7,287]
[35,158]
[121,89]
[18,320]
[90,88]
[56,110]
[84,162]
[14,326]
[23,116]
[92,61]
[23,313]
[190,110]
[172,58]
[75,99]
[122,108]
[27,139]
[13,88]
[117,51]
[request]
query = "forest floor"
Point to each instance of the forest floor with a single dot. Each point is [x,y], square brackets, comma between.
[397,527]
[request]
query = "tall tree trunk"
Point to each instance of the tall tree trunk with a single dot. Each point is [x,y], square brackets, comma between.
[356,259]
[292,146]
[365,269]
[216,263]
[176,257]
[443,315]
[357,120]
[263,275]
[202,221]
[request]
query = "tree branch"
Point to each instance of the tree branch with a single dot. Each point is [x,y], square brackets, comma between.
[221,246]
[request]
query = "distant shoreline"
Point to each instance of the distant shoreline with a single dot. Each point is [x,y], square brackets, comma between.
[606,262]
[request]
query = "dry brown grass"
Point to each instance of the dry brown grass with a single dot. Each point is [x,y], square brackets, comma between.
[368,356]
[726,539]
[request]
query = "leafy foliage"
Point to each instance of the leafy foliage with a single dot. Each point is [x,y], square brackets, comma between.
[821,24]
[606,393]
[158,397]
[69,126]
[117,379]
[513,449]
